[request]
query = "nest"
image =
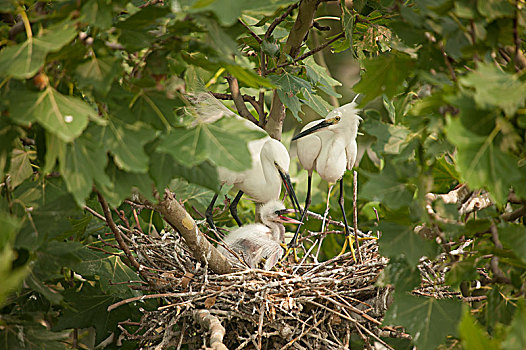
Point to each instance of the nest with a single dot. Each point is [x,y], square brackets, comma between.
[296,305]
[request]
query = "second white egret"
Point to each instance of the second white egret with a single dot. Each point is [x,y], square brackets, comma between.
[329,146]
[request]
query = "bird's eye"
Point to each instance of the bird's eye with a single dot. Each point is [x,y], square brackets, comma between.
[277,212]
[338,119]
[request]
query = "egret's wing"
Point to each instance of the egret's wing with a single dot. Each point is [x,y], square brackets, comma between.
[351,151]
[308,149]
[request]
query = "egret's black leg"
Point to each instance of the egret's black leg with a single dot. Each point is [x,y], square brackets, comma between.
[347,231]
[293,243]
[233,207]
[209,213]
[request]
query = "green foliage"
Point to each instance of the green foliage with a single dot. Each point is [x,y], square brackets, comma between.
[95,94]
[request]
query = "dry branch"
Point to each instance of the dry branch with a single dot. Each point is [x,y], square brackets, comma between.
[175,214]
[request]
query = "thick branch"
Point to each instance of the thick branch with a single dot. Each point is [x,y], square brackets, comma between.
[175,214]
[212,323]
[307,9]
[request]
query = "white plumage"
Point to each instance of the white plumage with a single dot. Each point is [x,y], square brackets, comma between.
[262,182]
[331,149]
[255,242]
[329,146]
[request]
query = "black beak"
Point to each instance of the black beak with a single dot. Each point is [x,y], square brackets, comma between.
[320,125]
[290,190]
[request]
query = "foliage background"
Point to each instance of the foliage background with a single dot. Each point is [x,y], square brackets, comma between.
[93,95]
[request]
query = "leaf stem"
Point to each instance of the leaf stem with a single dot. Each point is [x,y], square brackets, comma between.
[27,24]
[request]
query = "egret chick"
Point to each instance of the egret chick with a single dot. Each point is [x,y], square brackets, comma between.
[329,146]
[255,242]
[262,182]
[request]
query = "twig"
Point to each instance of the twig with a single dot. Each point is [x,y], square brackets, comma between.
[238,100]
[247,98]
[118,237]
[280,19]
[254,35]
[514,215]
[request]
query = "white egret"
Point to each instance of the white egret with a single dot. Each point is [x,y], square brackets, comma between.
[329,146]
[260,241]
[262,182]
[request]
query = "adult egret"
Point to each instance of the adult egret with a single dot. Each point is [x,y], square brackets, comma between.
[329,146]
[260,241]
[262,182]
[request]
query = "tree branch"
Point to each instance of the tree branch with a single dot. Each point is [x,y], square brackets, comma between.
[254,35]
[175,214]
[280,19]
[247,98]
[118,237]
[213,325]
[239,101]
[303,23]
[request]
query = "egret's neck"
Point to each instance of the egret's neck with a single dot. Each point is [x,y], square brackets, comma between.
[277,229]
[271,174]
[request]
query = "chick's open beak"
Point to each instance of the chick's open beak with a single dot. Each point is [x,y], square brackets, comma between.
[321,125]
[285,219]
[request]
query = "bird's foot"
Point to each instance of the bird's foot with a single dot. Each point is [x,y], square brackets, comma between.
[348,241]
[288,249]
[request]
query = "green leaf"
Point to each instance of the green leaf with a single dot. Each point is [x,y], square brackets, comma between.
[136,30]
[64,116]
[125,183]
[98,73]
[83,165]
[20,168]
[291,101]
[473,336]
[494,87]
[387,188]
[481,163]
[290,83]
[390,139]
[493,9]
[151,107]
[444,175]
[210,142]
[195,195]
[97,13]
[8,133]
[516,338]
[248,76]
[318,104]
[347,20]
[51,205]
[22,61]
[10,276]
[383,75]
[126,142]
[512,237]
[320,77]
[427,319]
[109,270]
[88,308]
[31,335]
[398,240]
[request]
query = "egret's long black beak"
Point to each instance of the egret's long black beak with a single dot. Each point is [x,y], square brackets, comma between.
[320,125]
[290,190]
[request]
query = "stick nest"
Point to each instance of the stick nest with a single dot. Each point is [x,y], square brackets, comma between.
[296,305]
